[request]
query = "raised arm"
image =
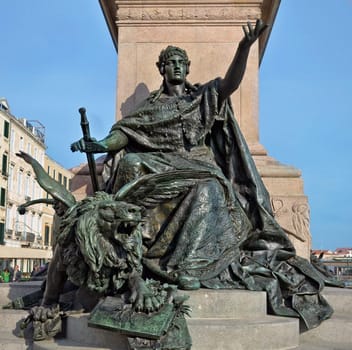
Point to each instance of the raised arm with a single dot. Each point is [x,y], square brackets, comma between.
[235,73]
[115,141]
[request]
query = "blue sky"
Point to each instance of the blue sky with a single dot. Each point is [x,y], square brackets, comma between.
[57,56]
[305,113]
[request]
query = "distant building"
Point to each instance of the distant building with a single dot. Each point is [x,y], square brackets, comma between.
[322,252]
[5,151]
[344,252]
[64,177]
[25,240]
[339,262]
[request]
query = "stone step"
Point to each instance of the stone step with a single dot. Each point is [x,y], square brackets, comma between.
[228,306]
[10,318]
[9,341]
[324,346]
[340,299]
[224,303]
[65,344]
[239,304]
[11,291]
[267,333]
[337,330]
[263,333]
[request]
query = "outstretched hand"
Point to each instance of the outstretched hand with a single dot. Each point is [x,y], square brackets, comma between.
[235,72]
[252,34]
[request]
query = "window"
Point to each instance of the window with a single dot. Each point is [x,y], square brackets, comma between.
[35,224]
[31,225]
[3,106]
[33,187]
[25,225]
[28,147]
[2,197]
[27,186]
[2,232]
[46,235]
[19,181]
[39,191]
[10,180]
[60,178]
[21,143]
[65,182]
[39,226]
[6,129]
[4,164]
[48,170]
[12,140]
[9,218]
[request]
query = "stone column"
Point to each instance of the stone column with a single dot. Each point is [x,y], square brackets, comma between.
[210,31]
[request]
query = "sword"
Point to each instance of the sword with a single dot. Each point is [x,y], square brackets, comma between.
[90,156]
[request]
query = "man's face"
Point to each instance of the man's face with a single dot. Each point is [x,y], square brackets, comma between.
[175,70]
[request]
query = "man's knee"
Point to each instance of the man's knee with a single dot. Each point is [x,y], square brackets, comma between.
[130,168]
[131,160]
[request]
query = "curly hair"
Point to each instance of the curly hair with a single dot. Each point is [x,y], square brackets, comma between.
[170,51]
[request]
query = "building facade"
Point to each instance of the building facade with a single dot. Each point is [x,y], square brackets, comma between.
[64,177]
[5,151]
[25,240]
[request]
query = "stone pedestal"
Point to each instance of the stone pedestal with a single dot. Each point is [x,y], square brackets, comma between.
[210,31]
[241,323]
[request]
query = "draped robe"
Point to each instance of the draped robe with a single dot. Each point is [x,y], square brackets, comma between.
[207,212]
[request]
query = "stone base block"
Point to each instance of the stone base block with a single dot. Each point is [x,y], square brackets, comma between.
[234,304]
[11,291]
[264,333]
[221,319]
[256,334]
[211,326]
[340,299]
[77,330]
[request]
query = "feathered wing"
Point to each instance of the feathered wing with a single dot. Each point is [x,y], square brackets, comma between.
[47,183]
[152,189]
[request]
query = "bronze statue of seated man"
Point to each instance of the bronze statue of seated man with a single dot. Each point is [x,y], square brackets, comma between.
[202,216]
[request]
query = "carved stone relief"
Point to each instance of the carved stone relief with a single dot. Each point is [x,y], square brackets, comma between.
[191,13]
[293,215]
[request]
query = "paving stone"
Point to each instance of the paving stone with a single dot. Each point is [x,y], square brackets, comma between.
[9,341]
[9,319]
[337,331]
